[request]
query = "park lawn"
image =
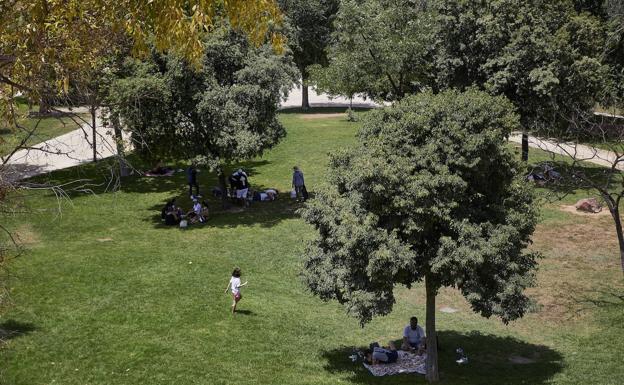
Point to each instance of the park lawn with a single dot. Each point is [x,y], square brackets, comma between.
[47,128]
[107,295]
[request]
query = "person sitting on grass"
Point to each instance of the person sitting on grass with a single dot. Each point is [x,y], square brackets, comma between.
[171,213]
[382,355]
[203,212]
[413,336]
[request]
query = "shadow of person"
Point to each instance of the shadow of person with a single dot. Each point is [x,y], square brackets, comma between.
[10,329]
[246,312]
[491,360]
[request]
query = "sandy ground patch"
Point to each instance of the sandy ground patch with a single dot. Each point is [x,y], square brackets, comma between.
[576,257]
[322,116]
[25,235]
[572,209]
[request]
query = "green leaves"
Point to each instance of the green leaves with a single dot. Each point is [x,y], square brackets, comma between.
[430,190]
[225,112]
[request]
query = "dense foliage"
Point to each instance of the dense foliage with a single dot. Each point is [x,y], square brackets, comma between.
[226,111]
[431,192]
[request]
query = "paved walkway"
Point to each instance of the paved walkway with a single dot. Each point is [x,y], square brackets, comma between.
[67,150]
[75,148]
[578,151]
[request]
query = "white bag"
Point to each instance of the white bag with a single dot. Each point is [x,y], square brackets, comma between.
[293,194]
[183,224]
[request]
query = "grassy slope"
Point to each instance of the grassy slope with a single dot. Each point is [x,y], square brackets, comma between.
[108,296]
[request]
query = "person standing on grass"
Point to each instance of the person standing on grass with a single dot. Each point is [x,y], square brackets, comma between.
[299,184]
[191,176]
[235,285]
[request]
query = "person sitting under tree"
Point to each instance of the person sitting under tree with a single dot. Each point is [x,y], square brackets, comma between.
[413,336]
[191,176]
[382,355]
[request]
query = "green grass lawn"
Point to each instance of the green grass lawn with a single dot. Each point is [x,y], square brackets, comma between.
[107,295]
[47,128]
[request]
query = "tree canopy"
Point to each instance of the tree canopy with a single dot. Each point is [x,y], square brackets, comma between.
[224,112]
[388,44]
[431,192]
[49,40]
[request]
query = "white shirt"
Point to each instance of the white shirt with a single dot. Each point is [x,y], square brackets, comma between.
[197,208]
[235,284]
[413,335]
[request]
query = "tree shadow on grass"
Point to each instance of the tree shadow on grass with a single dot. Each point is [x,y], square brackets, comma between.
[265,214]
[100,179]
[323,110]
[490,362]
[569,184]
[10,329]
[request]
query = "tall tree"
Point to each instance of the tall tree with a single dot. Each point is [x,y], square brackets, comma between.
[227,111]
[311,24]
[543,55]
[381,48]
[430,193]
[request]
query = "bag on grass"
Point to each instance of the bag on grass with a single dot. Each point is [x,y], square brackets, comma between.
[293,194]
[183,223]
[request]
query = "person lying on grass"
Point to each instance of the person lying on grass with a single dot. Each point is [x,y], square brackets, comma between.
[382,355]
[235,284]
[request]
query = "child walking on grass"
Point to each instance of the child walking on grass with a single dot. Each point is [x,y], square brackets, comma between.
[235,285]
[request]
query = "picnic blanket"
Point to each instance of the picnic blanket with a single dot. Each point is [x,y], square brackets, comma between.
[407,363]
[169,172]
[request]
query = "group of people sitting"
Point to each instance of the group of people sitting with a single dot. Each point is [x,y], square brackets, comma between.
[241,192]
[413,341]
[174,215]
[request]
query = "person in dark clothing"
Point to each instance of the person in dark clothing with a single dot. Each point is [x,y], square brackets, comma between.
[191,176]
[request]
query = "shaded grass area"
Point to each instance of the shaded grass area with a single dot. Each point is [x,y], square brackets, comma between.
[107,295]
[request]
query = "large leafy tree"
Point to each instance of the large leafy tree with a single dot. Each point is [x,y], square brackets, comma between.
[310,25]
[226,111]
[43,42]
[546,57]
[381,48]
[430,193]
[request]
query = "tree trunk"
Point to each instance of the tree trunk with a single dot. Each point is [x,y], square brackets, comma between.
[525,146]
[305,103]
[93,129]
[432,339]
[615,213]
[119,144]
[223,186]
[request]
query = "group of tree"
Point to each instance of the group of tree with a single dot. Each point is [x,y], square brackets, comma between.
[550,58]
[223,112]
[76,50]
[431,193]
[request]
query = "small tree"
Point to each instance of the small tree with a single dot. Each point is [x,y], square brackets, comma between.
[430,193]
[226,111]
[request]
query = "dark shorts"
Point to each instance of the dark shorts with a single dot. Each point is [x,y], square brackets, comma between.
[237,296]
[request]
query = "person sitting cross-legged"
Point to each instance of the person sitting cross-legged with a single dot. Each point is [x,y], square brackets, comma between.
[413,336]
